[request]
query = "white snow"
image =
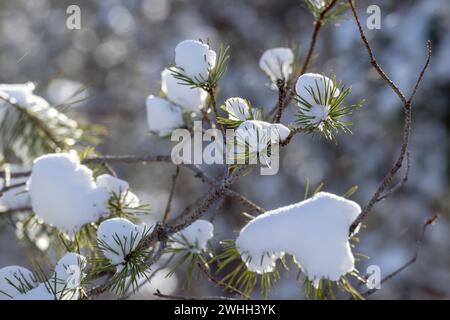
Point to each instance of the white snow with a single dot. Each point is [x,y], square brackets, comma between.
[195,236]
[22,94]
[162,116]
[256,135]
[314,232]
[277,63]
[118,237]
[314,83]
[237,108]
[195,59]
[14,280]
[188,98]
[64,193]
[41,292]
[118,187]
[62,285]
[318,113]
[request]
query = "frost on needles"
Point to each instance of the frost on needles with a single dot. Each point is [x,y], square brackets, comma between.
[314,232]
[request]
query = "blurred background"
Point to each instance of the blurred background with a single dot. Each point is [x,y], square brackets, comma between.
[123,46]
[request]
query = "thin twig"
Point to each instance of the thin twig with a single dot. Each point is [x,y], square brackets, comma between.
[11,186]
[15,210]
[373,61]
[401,183]
[378,195]
[281,85]
[289,92]
[174,297]
[413,259]
[211,278]
[171,193]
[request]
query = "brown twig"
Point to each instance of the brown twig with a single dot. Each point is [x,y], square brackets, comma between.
[411,261]
[378,195]
[211,278]
[281,85]
[171,193]
[174,297]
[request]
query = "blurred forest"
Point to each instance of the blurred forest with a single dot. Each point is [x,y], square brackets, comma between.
[123,46]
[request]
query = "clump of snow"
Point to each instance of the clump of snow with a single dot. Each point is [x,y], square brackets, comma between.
[188,98]
[277,63]
[64,284]
[314,91]
[314,232]
[195,59]
[311,84]
[118,187]
[253,137]
[22,95]
[118,237]
[237,108]
[15,280]
[162,116]
[64,193]
[69,272]
[318,113]
[41,292]
[195,237]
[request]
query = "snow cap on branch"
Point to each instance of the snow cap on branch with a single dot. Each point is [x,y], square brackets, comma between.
[20,284]
[22,94]
[237,108]
[277,63]
[188,98]
[15,280]
[195,237]
[195,59]
[314,232]
[314,92]
[256,135]
[118,237]
[118,187]
[162,116]
[64,193]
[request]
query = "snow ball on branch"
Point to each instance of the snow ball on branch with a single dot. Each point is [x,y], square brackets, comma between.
[316,89]
[20,284]
[64,193]
[65,282]
[119,237]
[22,94]
[195,59]
[195,237]
[277,63]
[314,232]
[118,188]
[321,105]
[15,280]
[253,137]
[188,98]
[162,116]
[238,109]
